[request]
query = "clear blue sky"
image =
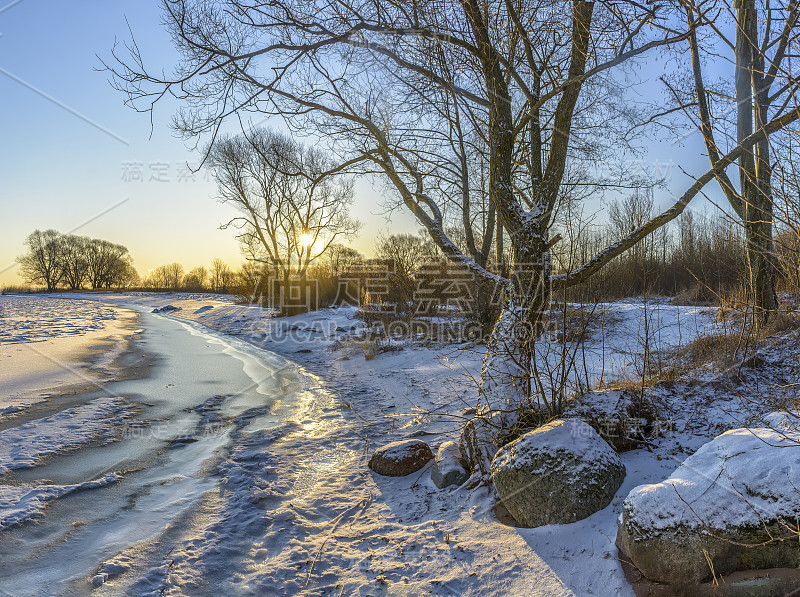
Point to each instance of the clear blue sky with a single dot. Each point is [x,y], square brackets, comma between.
[59,169]
[71,150]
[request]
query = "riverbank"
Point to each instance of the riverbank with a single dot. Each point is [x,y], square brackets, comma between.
[128,470]
[297,504]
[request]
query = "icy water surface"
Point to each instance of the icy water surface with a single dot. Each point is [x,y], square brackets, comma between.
[66,526]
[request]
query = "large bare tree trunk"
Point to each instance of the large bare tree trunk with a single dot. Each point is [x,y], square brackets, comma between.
[506,384]
[754,167]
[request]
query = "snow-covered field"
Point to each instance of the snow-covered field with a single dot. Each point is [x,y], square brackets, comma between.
[237,465]
[57,343]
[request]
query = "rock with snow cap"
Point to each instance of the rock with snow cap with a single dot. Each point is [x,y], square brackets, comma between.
[559,473]
[401,458]
[166,309]
[732,505]
[448,466]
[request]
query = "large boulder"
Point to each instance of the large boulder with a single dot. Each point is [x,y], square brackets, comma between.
[448,466]
[559,473]
[732,506]
[402,458]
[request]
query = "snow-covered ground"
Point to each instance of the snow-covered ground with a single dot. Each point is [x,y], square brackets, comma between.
[235,470]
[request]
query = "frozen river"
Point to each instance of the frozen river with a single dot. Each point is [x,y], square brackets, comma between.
[116,477]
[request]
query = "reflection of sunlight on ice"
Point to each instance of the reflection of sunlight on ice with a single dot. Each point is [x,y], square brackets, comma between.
[317,413]
[325,462]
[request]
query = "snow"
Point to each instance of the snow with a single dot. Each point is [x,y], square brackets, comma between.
[449,458]
[275,497]
[52,318]
[60,343]
[19,503]
[26,445]
[399,450]
[744,477]
[783,420]
[565,436]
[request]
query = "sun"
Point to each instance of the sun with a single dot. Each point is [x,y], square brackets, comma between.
[306,239]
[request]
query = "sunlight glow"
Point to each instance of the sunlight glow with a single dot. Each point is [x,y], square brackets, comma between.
[306,239]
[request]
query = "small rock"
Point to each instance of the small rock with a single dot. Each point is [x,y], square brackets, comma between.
[448,466]
[99,579]
[402,458]
[166,309]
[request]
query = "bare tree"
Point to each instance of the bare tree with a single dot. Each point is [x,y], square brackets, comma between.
[219,275]
[339,260]
[764,90]
[74,262]
[290,214]
[167,277]
[195,280]
[109,264]
[42,263]
[624,216]
[406,252]
[54,258]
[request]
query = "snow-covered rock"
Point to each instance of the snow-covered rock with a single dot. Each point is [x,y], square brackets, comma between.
[783,420]
[734,503]
[448,466]
[402,458]
[559,473]
[166,309]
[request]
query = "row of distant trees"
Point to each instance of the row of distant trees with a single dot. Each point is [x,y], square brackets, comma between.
[700,257]
[256,279]
[217,278]
[70,261]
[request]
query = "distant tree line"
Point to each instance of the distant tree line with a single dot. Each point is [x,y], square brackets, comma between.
[56,260]
[218,278]
[698,258]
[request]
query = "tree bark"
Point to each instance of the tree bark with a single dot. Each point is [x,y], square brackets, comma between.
[754,167]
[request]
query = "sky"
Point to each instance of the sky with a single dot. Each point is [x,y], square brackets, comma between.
[75,159]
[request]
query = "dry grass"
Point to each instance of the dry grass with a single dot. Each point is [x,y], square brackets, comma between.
[17,289]
[781,323]
[631,382]
[719,349]
[695,295]
[578,324]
